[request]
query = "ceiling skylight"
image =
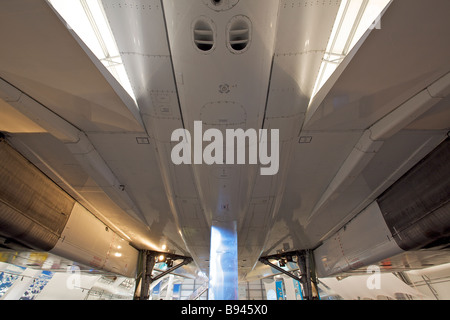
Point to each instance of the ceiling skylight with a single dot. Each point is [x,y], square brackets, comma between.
[88,20]
[354,18]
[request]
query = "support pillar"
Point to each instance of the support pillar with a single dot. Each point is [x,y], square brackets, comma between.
[303,265]
[147,261]
[146,281]
[305,261]
[306,265]
[223,270]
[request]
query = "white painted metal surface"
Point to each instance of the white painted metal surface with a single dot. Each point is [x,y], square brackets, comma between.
[96,245]
[363,241]
[113,156]
[367,86]
[88,101]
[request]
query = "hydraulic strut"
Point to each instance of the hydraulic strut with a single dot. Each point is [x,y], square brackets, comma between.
[148,260]
[305,264]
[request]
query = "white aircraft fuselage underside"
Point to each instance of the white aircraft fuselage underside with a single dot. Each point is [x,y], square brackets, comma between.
[248,64]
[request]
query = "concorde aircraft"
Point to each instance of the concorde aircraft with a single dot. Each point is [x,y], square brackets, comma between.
[363,177]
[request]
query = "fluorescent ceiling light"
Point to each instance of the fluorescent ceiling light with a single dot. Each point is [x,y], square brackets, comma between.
[87,18]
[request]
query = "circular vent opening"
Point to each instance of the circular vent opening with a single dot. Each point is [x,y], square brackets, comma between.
[239,34]
[220,5]
[204,35]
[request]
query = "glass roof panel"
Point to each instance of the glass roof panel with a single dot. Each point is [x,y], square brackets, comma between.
[88,20]
[354,18]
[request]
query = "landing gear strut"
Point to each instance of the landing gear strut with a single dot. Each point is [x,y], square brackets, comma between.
[147,261]
[305,262]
